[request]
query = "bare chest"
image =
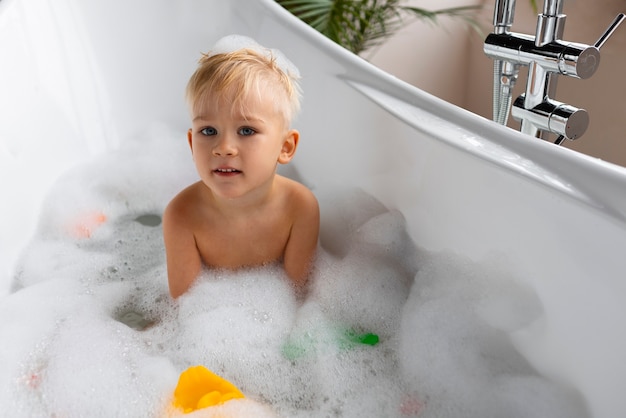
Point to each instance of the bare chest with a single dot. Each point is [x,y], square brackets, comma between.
[248,242]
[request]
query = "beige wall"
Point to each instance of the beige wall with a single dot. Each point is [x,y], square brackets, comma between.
[430,56]
[448,61]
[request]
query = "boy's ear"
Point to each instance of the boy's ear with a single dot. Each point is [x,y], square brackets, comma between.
[290,143]
[189,140]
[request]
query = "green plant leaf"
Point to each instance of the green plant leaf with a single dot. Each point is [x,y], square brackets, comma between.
[533,4]
[362,24]
[465,13]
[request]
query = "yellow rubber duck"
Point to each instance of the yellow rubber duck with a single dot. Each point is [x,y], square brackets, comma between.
[198,388]
[201,393]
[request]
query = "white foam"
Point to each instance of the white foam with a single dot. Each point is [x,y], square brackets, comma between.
[94,332]
[456,351]
[97,366]
[234,408]
[232,43]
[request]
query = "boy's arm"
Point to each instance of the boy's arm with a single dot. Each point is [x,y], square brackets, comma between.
[183,259]
[302,244]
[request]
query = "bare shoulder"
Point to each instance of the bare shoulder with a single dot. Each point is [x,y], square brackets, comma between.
[181,207]
[299,196]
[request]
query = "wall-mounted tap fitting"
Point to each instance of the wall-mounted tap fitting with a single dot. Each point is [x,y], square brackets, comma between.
[546,55]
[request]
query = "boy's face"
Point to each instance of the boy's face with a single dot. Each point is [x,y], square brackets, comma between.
[236,152]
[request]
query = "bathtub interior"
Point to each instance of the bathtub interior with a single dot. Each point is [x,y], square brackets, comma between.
[545,215]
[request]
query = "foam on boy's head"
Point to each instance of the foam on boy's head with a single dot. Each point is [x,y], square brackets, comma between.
[238,66]
[234,42]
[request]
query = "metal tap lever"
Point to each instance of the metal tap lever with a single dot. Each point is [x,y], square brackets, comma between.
[582,61]
[609,31]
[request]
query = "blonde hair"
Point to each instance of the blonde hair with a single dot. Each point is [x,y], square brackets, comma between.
[239,73]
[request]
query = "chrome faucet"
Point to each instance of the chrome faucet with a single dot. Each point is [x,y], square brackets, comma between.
[546,56]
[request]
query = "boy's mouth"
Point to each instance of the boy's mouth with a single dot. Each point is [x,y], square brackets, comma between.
[226,171]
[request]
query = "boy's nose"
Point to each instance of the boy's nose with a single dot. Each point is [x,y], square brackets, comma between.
[224,147]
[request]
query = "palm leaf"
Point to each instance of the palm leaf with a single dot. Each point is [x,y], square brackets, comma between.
[533,4]
[315,13]
[465,13]
[361,24]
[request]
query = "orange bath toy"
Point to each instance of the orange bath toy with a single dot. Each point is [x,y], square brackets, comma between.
[198,388]
[85,224]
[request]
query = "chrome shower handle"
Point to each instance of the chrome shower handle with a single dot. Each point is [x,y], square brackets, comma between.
[609,31]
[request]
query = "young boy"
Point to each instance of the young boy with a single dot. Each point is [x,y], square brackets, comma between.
[241,213]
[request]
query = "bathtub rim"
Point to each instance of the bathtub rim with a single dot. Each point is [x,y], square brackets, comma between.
[579,173]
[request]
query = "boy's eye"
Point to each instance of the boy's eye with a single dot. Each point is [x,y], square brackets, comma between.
[245,131]
[208,131]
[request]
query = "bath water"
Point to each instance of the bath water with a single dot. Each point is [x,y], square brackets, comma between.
[89,328]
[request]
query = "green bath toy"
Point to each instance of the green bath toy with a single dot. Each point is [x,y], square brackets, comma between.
[344,339]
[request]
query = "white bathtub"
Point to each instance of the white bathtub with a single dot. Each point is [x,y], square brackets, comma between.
[89,74]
